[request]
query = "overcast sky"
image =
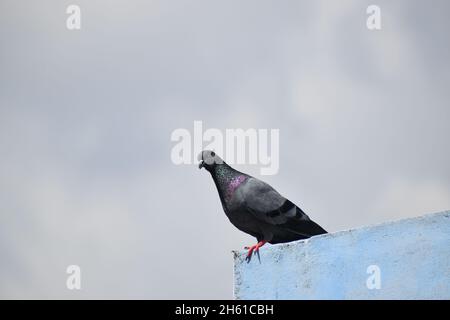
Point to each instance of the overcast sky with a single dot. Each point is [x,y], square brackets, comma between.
[86,116]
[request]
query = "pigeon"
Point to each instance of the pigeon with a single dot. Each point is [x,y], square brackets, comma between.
[256,208]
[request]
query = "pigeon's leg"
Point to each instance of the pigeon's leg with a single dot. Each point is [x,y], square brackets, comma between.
[254,250]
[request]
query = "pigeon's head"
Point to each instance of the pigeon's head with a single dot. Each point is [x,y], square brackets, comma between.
[208,160]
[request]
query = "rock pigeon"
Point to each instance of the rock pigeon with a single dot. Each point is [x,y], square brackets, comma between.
[255,207]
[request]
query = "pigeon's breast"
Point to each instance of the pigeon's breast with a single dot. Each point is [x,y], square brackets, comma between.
[233,196]
[233,185]
[239,216]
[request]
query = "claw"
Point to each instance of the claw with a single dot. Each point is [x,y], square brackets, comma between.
[257,253]
[254,250]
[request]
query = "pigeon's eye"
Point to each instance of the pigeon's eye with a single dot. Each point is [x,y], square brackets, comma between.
[213,154]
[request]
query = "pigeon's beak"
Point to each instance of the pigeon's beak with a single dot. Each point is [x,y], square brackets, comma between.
[200,158]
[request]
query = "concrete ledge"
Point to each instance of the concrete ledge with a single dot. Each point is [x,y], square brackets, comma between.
[406,259]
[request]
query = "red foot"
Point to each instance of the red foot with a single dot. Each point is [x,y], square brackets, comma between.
[254,249]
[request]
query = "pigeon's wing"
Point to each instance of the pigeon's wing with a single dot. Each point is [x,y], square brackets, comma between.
[267,205]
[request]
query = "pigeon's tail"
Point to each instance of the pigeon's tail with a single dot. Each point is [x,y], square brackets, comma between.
[304,228]
[297,228]
[304,223]
[294,230]
[315,229]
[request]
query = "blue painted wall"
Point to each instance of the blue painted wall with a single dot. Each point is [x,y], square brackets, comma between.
[410,258]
